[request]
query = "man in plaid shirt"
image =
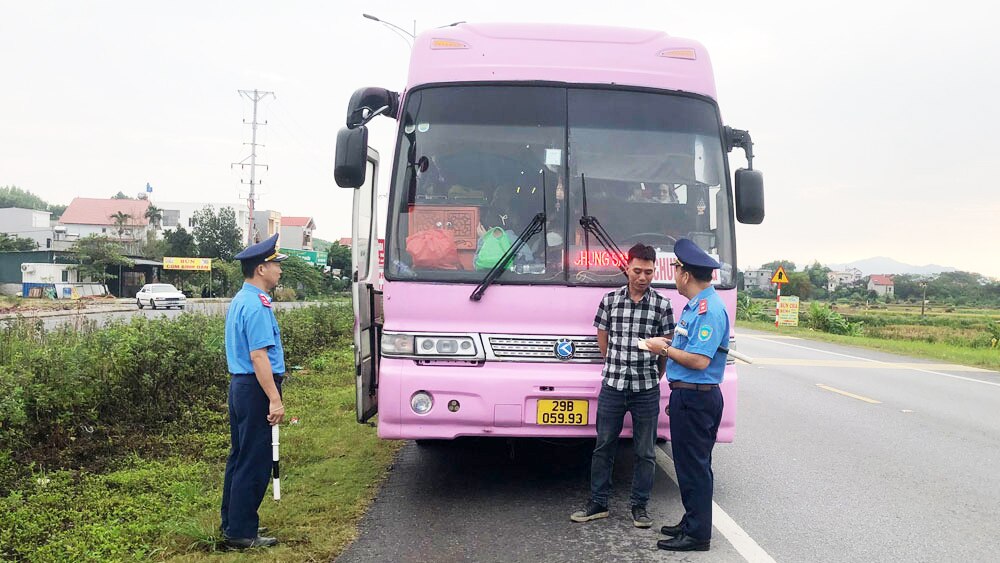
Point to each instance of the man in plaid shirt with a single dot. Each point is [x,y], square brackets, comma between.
[631,384]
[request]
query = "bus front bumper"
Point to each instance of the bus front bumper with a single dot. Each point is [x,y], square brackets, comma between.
[501,399]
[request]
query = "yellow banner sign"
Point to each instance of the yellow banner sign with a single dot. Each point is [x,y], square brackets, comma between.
[183,263]
[788,311]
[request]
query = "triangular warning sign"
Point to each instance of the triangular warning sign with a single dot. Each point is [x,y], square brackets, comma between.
[780,276]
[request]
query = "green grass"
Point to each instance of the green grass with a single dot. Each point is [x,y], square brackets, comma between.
[167,508]
[988,358]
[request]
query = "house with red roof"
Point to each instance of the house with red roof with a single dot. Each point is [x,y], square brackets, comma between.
[881,284]
[119,219]
[297,232]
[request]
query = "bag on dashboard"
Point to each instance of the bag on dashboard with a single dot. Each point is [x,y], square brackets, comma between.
[434,249]
[492,246]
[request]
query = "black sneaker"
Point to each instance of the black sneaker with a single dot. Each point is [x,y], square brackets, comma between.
[247,543]
[592,512]
[641,519]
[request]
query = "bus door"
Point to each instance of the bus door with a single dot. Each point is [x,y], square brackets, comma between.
[365,291]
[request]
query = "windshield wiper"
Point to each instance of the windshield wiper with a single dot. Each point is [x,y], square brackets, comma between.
[534,227]
[591,226]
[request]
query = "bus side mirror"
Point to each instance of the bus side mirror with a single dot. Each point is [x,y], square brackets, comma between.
[367,103]
[351,158]
[749,196]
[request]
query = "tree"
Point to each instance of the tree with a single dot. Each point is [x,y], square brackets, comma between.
[154,248]
[303,277]
[218,234]
[95,255]
[817,277]
[121,195]
[339,258]
[798,284]
[180,243]
[13,196]
[155,215]
[227,278]
[9,243]
[773,266]
[122,223]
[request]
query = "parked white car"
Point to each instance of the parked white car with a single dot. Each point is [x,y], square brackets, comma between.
[159,295]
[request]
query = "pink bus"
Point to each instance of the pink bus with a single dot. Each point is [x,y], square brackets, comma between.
[527,158]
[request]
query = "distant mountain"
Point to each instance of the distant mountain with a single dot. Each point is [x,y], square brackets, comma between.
[884,265]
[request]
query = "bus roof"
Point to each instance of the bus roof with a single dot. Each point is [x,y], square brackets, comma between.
[560,53]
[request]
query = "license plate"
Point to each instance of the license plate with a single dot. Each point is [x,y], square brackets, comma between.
[571,412]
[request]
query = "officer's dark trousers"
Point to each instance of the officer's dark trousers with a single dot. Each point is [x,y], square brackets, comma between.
[694,424]
[248,467]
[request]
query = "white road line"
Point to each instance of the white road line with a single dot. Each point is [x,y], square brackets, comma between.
[737,536]
[972,379]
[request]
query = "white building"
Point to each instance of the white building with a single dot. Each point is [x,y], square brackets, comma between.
[181,214]
[846,277]
[297,233]
[266,223]
[27,223]
[758,279]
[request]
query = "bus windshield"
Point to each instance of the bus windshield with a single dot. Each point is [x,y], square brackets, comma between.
[475,164]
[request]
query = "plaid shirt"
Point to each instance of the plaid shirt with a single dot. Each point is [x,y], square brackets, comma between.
[626,321]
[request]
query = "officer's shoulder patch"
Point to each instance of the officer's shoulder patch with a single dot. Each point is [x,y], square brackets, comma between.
[703,306]
[264,300]
[704,333]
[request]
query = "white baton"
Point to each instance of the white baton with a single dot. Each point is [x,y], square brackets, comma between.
[274,463]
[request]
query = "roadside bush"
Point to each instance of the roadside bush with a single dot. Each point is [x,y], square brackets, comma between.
[284,294]
[747,309]
[81,397]
[821,317]
[309,330]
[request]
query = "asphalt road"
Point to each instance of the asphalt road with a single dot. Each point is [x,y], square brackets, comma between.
[841,454]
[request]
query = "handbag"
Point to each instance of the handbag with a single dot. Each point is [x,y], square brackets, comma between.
[433,249]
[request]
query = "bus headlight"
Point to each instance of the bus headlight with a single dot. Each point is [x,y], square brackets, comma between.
[421,402]
[423,345]
[394,344]
[446,346]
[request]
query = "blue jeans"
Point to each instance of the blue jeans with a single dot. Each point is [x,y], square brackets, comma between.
[611,408]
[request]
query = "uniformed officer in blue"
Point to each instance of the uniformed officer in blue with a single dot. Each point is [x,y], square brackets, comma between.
[256,366]
[694,370]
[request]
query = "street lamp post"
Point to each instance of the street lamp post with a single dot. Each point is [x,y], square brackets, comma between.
[402,33]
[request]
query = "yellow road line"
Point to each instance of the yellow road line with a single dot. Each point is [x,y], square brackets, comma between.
[846,394]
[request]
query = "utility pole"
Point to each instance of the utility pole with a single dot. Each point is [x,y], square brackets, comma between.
[254,96]
[923,298]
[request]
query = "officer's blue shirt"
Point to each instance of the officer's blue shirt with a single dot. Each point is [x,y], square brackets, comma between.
[708,328]
[251,325]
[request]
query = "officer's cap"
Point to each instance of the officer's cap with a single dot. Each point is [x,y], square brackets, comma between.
[264,251]
[689,254]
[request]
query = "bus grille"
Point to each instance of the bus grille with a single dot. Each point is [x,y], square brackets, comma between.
[541,349]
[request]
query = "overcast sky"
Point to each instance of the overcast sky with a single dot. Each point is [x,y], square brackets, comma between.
[875,123]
